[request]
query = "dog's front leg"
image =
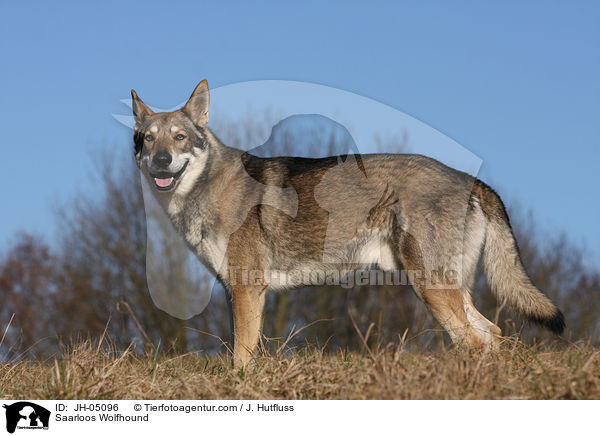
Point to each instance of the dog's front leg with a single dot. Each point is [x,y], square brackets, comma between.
[248,304]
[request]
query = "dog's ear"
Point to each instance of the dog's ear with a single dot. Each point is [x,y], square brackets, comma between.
[140,110]
[197,106]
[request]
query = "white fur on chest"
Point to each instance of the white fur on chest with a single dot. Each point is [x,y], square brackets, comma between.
[211,249]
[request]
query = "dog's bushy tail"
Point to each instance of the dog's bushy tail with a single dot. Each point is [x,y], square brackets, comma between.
[504,269]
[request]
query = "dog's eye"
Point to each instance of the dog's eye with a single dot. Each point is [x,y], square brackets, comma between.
[180,137]
[149,138]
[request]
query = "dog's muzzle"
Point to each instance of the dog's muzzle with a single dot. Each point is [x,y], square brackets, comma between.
[165,181]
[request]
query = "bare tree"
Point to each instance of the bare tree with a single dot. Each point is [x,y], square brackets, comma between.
[27,284]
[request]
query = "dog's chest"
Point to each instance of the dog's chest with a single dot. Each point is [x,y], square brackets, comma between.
[209,246]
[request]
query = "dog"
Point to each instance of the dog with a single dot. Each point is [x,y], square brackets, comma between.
[259,224]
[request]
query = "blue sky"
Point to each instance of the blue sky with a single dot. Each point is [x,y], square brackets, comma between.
[517,84]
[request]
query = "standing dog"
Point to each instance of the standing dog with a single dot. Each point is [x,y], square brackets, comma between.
[261,224]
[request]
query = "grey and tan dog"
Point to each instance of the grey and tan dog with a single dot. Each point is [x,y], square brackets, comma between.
[260,223]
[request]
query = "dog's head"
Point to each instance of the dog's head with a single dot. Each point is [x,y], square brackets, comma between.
[172,145]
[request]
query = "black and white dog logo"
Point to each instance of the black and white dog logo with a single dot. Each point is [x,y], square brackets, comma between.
[26,415]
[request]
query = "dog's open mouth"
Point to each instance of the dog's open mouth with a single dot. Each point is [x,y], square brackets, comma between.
[165,181]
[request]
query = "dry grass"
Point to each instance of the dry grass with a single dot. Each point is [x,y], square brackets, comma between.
[517,371]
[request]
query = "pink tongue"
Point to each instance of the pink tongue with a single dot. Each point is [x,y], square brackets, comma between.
[163,183]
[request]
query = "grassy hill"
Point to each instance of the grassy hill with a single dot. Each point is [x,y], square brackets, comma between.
[516,371]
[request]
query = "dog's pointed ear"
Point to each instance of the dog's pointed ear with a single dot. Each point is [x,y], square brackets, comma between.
[197,106]
[140,110]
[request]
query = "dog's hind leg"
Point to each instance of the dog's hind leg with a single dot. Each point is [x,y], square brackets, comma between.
[446,305]
[489,332]
[473,239]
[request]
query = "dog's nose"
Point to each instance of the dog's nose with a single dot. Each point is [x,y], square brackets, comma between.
[162,159]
